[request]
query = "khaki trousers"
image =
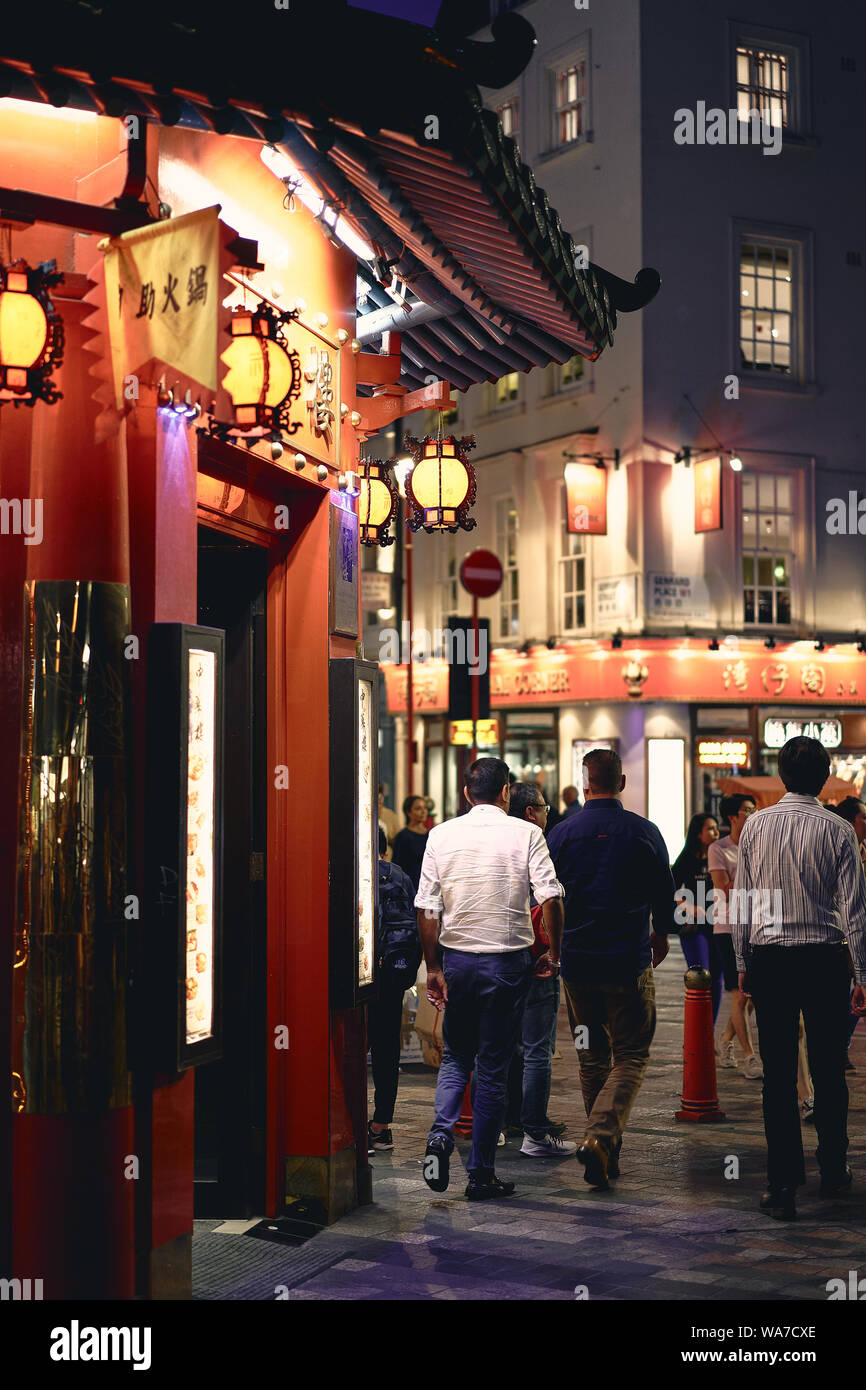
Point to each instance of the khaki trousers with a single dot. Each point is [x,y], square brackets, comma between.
[620,1021]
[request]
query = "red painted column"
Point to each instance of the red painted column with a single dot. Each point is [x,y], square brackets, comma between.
[162,458]
[72,1220]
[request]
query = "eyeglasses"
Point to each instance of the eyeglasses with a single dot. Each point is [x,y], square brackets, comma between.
[540,806]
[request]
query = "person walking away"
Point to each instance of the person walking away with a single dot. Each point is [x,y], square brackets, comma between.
[399,957]
[853,810]
[477,875]
[722,864]
[407,849]
[540,1013]
[569,801]
[615,870]
[695,904]
[388,819]
[800,891]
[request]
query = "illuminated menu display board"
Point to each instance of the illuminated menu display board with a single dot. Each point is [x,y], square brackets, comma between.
[184,842]
[200,865]
[354,832]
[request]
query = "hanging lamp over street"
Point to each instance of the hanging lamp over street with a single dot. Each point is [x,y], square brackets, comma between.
[31,333]
[264,376]
[441,487]
[377,502]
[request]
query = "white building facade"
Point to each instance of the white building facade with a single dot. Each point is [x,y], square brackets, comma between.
[750,352]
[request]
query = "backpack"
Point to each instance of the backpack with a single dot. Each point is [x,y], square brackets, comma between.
[399,947]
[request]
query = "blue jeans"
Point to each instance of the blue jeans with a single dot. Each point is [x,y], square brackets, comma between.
[486,996]
[538,1043]
[698,951]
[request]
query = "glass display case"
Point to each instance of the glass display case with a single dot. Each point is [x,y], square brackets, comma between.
[184,905]
[354,832]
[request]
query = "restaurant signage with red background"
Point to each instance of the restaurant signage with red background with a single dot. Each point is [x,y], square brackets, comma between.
[708,495]
[657,670]
[586,498]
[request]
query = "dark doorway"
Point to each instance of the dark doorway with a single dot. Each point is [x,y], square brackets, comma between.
[230,1095]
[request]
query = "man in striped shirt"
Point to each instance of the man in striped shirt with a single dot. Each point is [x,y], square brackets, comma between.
[799,894]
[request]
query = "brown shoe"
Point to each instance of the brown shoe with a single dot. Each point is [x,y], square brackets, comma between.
[593,1156]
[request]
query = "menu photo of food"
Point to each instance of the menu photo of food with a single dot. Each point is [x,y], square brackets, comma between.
[201,755]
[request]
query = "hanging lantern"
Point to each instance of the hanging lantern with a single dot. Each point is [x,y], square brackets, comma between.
[377,502]
[264,375]
[441,487]
[31,333]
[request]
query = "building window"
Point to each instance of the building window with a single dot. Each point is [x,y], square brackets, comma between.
[571,109]
[498,395]
[509,115]
[508,622]
[769,288]
[763,78]
[563,376]
[572,573]
[449,594]
[768,547]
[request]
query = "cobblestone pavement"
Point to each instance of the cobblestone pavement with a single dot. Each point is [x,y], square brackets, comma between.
[672,1228]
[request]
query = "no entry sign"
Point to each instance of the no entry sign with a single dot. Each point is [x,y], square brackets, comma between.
[481,573]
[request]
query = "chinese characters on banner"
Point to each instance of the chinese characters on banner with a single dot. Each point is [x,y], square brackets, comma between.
[708,495]
[586,498]
[163,298]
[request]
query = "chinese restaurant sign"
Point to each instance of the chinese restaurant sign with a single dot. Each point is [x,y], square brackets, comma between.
[163,296]
[708,495]
[586,498]
[660,671]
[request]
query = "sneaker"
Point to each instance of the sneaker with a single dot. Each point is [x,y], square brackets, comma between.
[480,1191]
[808,1112]
[436,1160]
[726,1056]
[554,1127]
[753,1068]
[548,1147]
[381,1142]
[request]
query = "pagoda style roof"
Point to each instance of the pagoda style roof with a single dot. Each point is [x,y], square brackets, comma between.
[386,118]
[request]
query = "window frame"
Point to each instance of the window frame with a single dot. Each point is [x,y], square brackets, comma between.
[558,62]
[799,242]
[506,500]
[563,561]
[796,50]
[777,550]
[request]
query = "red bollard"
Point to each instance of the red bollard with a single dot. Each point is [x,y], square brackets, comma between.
[463,1126]
[700,1098]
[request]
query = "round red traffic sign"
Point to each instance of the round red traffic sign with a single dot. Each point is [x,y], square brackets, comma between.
[481,573]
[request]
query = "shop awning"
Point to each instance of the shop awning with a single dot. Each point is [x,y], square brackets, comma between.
[768,790]
[386,118]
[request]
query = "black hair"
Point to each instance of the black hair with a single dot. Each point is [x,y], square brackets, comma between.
[383,842]
[407,804]
[693,834]
[804,766]
[732,805]
[485,780]
[524,794]
[604,767]
[850,808]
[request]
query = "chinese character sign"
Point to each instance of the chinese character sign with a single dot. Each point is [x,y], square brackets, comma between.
[708,495]
[163,295]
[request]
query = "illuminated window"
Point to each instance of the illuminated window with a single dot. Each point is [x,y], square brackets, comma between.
[563,376]
[502,393]
[763,77]
[509,115]
[508,621]
[768,547]
[571,106]
[572,577]
[768,298]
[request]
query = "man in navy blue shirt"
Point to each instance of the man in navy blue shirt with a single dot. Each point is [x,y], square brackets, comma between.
[616,872]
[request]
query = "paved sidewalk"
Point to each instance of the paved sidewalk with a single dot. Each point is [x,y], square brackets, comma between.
[672,1228]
